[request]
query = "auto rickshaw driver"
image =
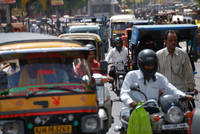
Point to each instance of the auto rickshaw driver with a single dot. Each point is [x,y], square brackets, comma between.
[45,70]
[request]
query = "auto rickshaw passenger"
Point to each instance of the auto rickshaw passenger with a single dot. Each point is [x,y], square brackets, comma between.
[146,43]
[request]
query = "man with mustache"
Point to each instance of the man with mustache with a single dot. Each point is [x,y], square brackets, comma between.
[174,63]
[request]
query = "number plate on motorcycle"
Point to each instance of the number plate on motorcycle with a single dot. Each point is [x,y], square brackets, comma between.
[60,129]
[175,126]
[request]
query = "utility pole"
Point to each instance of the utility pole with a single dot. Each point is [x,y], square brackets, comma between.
[8,13]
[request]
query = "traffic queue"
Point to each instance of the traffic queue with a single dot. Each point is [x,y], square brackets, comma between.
[54,75]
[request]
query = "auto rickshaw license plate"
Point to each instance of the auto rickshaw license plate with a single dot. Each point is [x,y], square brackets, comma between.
[61,129]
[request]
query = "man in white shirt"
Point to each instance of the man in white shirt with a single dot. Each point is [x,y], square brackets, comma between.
[149,80]
[174,63]
[119,53]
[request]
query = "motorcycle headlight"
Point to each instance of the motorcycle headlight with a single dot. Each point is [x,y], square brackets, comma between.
[90,124]
[12,127]
[174,115]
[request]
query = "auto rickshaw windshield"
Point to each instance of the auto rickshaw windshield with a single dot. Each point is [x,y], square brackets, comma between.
[46,71]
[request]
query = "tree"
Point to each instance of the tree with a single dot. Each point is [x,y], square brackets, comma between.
[198,2]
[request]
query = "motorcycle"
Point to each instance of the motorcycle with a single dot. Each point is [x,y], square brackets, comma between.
[120,69]
[169,114]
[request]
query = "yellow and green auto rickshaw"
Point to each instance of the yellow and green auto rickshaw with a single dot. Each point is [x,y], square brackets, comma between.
[40,91]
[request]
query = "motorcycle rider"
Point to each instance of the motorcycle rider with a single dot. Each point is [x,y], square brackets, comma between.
[149,80]
[117,54]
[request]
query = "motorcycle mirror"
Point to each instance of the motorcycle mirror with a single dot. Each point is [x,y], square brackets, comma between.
[135,87]
[103,67]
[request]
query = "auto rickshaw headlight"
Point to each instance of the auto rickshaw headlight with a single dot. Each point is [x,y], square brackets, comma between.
[90,124]
[11,127]
[70,117]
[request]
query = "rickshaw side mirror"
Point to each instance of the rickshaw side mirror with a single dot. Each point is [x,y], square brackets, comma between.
[103,67]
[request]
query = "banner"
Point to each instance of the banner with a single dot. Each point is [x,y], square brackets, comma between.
[159,1]
[23,4]
[43,2]
[57,2]
[7,1]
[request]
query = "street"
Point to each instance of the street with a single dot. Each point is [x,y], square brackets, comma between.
[117,105]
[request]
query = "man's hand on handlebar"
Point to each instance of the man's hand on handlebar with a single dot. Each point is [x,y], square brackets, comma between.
[195,91]
[189,97]
[133,104]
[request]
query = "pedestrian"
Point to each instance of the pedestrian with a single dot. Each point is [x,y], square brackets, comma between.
[174,63]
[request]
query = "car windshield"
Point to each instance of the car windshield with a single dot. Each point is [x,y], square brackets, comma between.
[119,26]
[84,31]
[45,71]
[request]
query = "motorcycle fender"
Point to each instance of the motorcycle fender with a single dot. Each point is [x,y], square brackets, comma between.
[195,129]
[102,114]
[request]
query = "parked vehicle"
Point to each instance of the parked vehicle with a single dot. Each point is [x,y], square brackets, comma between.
[186,38]
[43,94]
[169,115]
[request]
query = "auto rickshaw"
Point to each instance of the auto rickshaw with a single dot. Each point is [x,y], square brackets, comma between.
[42,93]
[117,26]
[155,33]
[93,27]
[105,108]
[87,38]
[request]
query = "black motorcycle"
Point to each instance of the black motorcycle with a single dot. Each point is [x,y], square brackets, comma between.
[169,115]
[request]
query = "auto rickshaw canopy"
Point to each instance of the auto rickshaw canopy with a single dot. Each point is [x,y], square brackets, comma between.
[14,45]
[138,31]
[81,36]
[87,38]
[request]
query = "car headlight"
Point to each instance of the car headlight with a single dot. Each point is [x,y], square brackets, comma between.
[12,127]
[174,115]
[90,123]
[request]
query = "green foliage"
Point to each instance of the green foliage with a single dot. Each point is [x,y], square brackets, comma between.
[198,2]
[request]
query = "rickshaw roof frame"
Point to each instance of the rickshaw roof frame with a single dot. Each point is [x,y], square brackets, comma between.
[122,18]
[165,27]
[83,36]
[5,38]
[20,43]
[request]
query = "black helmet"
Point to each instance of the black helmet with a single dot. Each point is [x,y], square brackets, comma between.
[147,57]
[118,40]
[91,47]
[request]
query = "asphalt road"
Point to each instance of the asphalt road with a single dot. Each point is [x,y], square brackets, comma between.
[117,105]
